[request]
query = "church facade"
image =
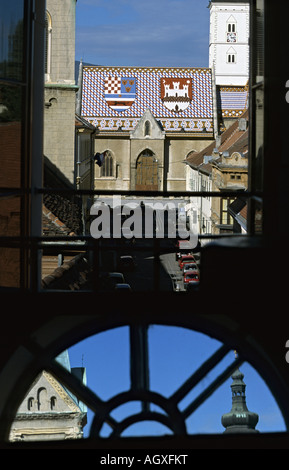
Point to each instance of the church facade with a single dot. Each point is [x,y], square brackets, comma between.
[148,120]
[60,90]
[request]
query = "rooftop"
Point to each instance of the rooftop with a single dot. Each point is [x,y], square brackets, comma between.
[114,97]
[233,139]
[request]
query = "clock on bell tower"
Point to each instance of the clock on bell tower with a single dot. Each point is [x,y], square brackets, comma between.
[231,37]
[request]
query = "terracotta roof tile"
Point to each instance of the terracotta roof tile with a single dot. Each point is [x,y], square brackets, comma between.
[71,275]
[64,211]
[231,139]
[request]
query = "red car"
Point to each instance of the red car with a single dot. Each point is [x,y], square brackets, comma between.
[189,266]
[184,247]
[191,277]
[186,259]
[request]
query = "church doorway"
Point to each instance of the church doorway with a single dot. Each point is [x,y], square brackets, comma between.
[147,172]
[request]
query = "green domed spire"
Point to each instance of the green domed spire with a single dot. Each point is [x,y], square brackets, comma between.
[240,419]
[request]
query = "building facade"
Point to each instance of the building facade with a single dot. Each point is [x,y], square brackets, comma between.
[60,89]
[221,167]
[199,178]
[229,42]
[229,57]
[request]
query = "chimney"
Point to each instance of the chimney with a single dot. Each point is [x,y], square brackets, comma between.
[242,124]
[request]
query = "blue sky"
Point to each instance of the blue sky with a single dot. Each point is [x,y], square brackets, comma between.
[174,354]
[136,33]
[172,33]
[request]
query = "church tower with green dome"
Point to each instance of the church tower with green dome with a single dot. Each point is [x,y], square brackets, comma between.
[239,419]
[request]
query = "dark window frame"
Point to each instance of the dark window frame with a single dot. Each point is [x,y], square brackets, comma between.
[31,241]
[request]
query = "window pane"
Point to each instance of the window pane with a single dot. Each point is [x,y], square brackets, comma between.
[11,30]
[9,267]
[10,177]
[10,105]
[10,136]
[9,256]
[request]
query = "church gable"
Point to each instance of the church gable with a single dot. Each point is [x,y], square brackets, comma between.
[47,396]
[147,128]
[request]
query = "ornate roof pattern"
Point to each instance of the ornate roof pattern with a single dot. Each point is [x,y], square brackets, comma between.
[233,101]
[114,97]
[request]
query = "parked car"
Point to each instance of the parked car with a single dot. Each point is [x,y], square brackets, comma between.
[126,263]
[186,258]
[188,266]
[191,276]
[123,287]
[192,286]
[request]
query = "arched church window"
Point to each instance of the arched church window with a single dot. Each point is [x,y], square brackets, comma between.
[52,403]
[107,166]
[231,25]
[41,399]
[231,56]
[30,403]
[147,128]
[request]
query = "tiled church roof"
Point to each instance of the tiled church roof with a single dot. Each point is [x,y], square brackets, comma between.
[147,92]
[232,101]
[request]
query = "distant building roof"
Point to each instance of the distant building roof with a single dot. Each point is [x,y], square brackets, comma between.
[229,1]
[79,372]
[232,101]
[60,215]
[73,275]
[51,225]
[232,140]
[80,122]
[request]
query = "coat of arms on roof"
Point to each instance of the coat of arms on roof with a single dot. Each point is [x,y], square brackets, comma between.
[119,92]
[176,93]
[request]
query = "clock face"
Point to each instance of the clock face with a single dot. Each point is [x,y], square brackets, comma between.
[231,37]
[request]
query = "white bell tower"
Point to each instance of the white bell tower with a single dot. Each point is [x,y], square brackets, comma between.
[229,41]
